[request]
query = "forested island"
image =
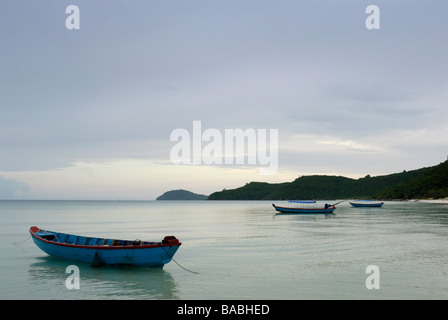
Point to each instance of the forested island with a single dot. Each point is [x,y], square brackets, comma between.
[181,195]
[424,183]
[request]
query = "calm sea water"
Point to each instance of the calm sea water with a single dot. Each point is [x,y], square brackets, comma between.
[237,249]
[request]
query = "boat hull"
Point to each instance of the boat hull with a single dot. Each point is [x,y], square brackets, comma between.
[304,210]
[366,205]
[153,255]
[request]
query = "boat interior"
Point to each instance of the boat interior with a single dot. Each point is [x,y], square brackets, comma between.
[90,241]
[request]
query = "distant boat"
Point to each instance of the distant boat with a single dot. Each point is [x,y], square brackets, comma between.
[304,209]
[366,203]
[102,251]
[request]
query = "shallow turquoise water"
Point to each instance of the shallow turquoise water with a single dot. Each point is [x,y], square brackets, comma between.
[237,249]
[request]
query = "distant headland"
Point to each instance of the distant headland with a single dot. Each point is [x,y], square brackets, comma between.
[181,195]
[424,183]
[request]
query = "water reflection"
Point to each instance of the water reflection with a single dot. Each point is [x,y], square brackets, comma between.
[48,276]
[305,216]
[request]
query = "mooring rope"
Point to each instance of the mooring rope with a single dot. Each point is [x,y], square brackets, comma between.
[178,263]
[16,243]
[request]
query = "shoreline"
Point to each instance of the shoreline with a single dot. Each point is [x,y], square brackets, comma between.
[445,200]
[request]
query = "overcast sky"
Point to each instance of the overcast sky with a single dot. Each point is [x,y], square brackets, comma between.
[88,113]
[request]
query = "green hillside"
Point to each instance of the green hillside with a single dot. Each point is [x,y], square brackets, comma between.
[431,182]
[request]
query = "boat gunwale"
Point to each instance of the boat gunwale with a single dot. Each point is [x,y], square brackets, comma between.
[99,246]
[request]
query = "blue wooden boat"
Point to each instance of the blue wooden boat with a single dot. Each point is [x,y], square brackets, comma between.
[303,209]
[366,203]
[103,251]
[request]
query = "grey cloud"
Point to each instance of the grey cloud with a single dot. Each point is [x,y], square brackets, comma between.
[13,189]
[134,72]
